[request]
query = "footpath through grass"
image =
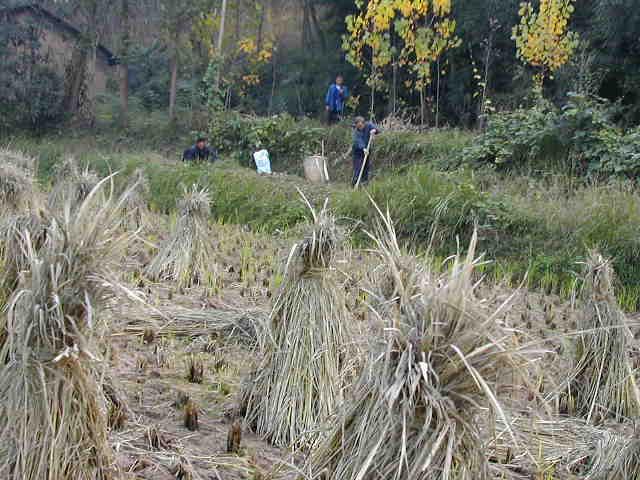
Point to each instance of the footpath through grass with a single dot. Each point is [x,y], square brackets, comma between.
[540,227]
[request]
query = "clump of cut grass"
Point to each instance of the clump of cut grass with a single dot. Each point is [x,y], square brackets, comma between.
[602,383]
[195,369]
[19,159]
[17,190]
[156,438]
[188,256]
[13,255]
[182,470]
[396,280]
[566,447]
[135,212]
[73,185]
[148,336]
[300,378]
[53,415]
[234,437]
[414,411]
[191,416]
[118,410]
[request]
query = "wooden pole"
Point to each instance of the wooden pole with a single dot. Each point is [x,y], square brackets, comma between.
[364,161]
[223,16]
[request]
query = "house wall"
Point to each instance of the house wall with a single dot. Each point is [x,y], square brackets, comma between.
[58,46]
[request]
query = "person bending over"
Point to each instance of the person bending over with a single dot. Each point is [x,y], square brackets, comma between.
[362,133]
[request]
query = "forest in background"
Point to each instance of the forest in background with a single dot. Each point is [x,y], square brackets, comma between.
[274,56]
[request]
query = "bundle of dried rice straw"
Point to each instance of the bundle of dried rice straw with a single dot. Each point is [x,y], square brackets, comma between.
[20,206]
[17,158]
[72,185]
[52,416]
[566,448]
[13,256]
[17,191]
[136,211]
[414,411]
[602,383]
[177,321]
[299,380]
[188,256]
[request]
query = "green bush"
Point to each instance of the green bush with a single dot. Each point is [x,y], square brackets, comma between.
[31,90]
[286,138]
[289,140]
[522,138]
[579,139]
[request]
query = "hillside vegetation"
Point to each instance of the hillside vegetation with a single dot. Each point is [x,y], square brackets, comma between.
[536,226]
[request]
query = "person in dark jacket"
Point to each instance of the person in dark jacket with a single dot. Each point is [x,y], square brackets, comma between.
[200,152]
[334,101]
[361,135]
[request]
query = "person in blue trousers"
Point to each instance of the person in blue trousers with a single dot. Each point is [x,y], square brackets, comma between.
[334,101]
[362,132]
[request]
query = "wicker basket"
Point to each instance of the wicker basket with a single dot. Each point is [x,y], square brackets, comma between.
[315,169]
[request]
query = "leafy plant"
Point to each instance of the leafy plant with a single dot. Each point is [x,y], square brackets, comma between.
[31,90]
[579,139]
[282,135]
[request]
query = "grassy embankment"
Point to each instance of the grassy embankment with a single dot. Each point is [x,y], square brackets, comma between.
[541,226]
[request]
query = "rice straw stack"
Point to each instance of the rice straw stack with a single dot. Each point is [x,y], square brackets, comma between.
[299,381]
[72,185]
[53,420]
[17,190]
[136,211]
[602,383]
[414,411]
[188,256]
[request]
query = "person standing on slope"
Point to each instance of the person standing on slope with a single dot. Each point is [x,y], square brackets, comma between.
[335,100]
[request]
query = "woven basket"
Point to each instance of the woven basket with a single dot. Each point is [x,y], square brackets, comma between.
[315,169]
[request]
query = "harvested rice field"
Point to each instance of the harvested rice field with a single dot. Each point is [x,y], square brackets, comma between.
[141,345]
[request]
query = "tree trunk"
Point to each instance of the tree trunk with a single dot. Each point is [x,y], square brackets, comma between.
[236,33]
[303,39]
[422,108]
[173,65]
[223,16]
[372,108]
[316,24]
[89,103]
[438,94]
[274,77]
[74,79]
[483,104]
[373,85]
[124,95]
[260,27]
[394,87]
[124,66]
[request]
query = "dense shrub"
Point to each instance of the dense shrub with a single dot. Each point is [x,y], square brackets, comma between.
[31,91]
[282,135]
[289,140]
[516,139]
[578,139]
